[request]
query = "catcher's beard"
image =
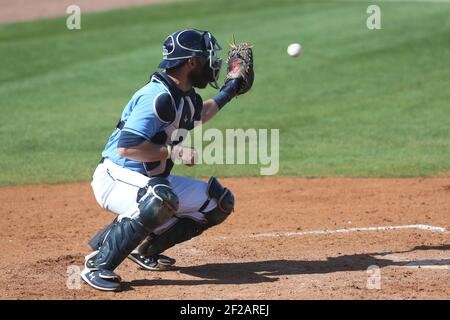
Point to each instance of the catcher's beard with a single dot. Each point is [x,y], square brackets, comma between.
[201,76]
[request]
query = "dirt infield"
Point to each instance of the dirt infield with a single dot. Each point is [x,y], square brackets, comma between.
[23,10]
[274,246]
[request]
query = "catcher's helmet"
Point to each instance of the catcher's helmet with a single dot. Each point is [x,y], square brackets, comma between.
[184,44]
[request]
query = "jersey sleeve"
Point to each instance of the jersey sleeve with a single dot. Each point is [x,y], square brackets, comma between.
[143,120]
[129,139]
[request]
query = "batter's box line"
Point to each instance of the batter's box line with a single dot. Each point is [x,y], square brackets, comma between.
[423,227]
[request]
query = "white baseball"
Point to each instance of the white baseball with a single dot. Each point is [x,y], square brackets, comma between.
[295,50]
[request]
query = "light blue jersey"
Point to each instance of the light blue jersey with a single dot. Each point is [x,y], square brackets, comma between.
[153,114]
[139,118]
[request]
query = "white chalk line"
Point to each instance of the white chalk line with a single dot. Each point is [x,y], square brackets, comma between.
[327,232]
[420,264]
[349,230]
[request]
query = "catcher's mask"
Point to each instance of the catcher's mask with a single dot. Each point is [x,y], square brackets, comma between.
[184,44]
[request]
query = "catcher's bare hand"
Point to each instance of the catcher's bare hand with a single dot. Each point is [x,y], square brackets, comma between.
[186,155]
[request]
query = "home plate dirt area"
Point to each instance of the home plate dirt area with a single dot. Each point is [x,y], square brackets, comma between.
[289,238]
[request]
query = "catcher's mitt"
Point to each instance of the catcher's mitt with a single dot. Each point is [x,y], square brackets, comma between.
[240,66]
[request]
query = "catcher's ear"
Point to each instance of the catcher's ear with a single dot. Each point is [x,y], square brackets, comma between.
[192,63]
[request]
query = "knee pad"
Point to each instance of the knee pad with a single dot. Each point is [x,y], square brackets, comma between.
[215,217]
[222,195]
[224,199]
[158,204]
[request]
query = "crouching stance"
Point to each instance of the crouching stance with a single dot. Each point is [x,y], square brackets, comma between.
[127,232]
[155,209]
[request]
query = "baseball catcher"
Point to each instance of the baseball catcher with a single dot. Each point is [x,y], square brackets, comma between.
[154,209]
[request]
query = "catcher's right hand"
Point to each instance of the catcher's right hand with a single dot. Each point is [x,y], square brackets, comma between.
[188,156]
[240,67]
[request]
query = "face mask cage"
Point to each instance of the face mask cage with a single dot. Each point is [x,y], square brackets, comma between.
[215,63]
[191,47]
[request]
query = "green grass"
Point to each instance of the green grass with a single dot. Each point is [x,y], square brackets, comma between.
[358,103]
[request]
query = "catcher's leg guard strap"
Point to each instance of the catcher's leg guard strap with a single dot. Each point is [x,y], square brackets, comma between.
[183,230]
[157,207]
[125,235]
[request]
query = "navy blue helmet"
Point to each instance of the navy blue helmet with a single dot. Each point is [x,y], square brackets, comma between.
[184,44]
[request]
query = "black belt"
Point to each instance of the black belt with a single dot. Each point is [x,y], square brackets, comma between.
[102,160]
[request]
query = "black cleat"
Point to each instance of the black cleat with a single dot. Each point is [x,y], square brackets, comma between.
[103,280]
[156,262]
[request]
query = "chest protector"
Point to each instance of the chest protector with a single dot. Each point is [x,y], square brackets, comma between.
[175,131]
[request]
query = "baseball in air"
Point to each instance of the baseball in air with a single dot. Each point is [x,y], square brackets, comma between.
[295,50]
